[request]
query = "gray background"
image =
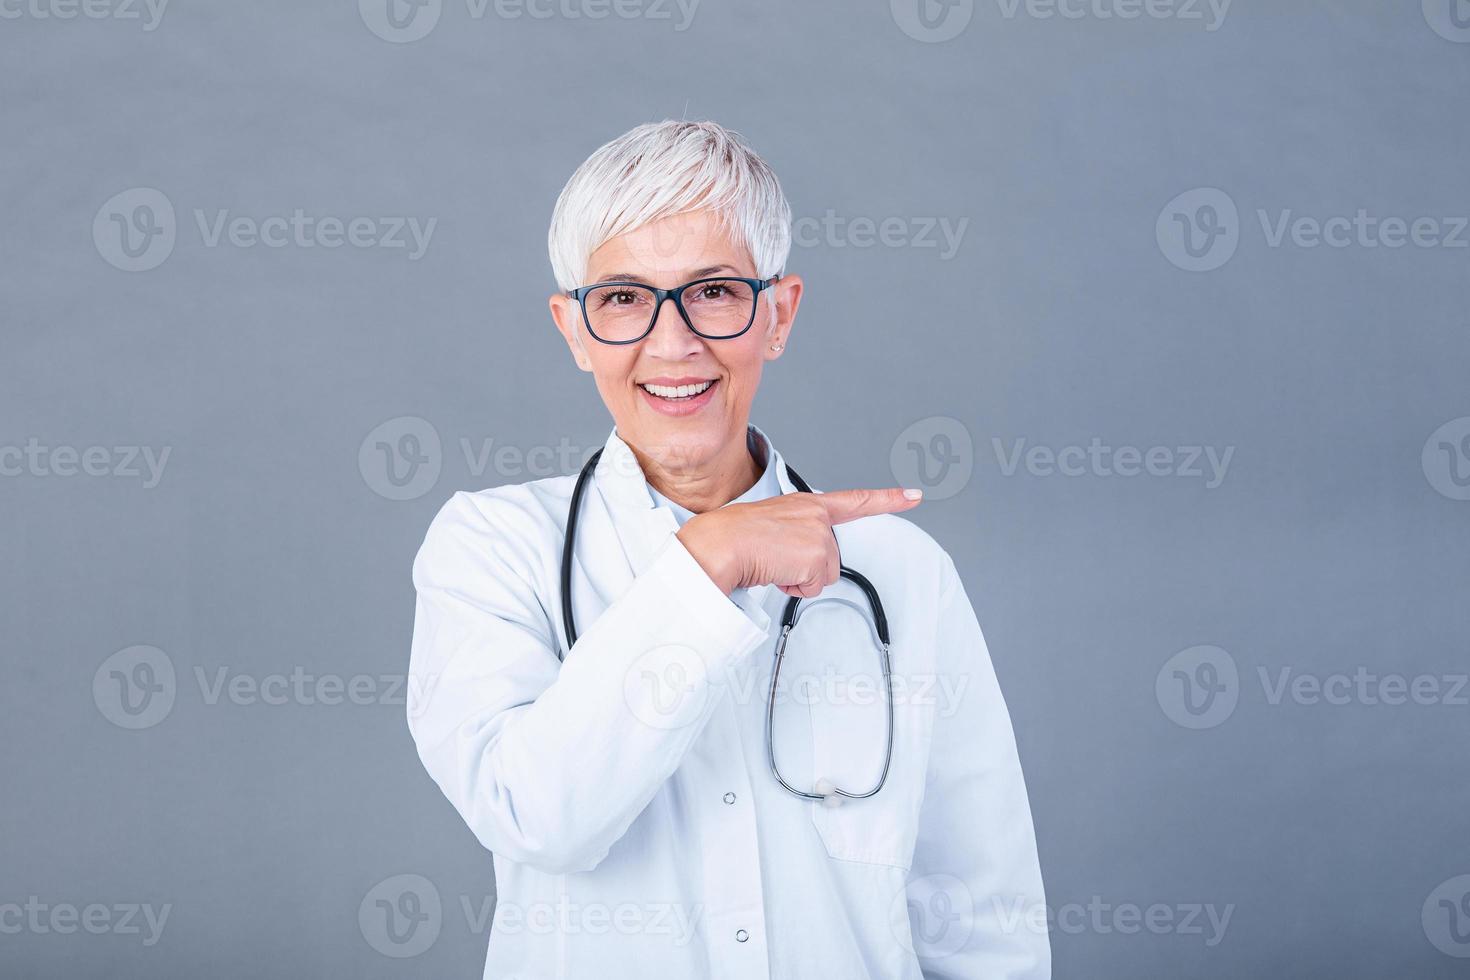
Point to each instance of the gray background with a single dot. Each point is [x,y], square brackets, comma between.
[269,546]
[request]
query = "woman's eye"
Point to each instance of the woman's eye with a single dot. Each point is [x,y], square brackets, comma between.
[714,291]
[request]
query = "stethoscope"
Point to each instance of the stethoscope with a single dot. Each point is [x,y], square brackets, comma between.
[788,623]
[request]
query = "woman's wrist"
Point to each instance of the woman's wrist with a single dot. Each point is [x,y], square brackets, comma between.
[717,562]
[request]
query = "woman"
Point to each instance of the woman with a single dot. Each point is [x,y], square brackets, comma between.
[618,764]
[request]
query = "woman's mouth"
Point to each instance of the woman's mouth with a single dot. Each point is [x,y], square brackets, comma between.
[678,399]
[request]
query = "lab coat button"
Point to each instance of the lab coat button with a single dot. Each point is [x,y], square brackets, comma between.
[741,936]
[729,797]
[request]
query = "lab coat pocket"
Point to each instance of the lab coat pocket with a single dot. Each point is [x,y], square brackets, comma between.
[839,669]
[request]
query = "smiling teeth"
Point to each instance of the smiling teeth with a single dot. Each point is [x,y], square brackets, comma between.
[678,391]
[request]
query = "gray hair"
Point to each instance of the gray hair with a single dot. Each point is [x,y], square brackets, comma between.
[662,169]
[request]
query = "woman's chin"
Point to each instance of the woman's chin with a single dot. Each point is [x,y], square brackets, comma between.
[680,443]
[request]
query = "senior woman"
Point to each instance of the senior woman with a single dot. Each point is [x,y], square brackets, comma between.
[657,804]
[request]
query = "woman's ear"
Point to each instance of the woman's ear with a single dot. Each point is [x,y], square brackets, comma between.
[786,293]
[566,313]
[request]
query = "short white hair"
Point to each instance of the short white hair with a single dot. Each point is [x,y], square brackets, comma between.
[658,170]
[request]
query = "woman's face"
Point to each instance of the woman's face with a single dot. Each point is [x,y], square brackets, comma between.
[683,434]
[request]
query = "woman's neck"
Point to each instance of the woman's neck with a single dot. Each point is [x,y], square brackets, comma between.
[715,483]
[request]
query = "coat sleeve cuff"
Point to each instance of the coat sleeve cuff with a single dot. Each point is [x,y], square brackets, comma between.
[720,625]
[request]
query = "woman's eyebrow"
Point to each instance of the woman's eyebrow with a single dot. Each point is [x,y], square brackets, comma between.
[696,274]
[711,270]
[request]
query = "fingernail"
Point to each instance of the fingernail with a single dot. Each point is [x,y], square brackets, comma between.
[913,495]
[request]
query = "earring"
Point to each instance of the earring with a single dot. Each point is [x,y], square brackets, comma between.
[778,348]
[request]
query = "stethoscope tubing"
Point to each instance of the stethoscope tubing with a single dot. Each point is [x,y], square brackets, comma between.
[789,617]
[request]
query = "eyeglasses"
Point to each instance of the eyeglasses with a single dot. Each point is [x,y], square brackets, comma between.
[719,308]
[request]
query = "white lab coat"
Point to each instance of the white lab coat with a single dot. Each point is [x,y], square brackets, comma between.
[636,828]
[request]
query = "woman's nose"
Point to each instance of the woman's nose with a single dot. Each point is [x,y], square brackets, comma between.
[671,337]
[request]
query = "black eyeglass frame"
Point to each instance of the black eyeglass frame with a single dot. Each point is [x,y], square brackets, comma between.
[757,286]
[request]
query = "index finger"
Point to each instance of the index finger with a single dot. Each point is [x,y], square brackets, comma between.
[848,505]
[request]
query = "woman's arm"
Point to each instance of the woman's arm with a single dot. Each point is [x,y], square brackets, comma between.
[550,763]
[975,896]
